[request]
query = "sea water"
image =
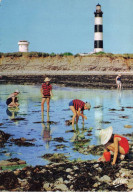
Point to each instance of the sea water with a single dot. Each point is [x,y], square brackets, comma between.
[108,108]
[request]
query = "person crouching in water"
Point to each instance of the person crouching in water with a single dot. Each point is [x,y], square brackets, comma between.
[113,142]
[46,91]
[78,107]
[12,100]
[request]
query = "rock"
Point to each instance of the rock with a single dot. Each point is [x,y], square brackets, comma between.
[75,168]
[4,136]
[17,172]
[68,170]
[96,165]
[18,119]
[68,122]
[128,126]
[23,182]
[96,184]
[55,157]
[61,187]
[11,162]
[120,181]
[60,146]
[59,139]
[125,172]
[66,181]
[105,179]
[47,186]
[59,180]
[130,184]
[69,177]
[23,141]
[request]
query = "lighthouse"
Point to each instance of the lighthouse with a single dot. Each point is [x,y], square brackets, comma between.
[98,30]
[23,46]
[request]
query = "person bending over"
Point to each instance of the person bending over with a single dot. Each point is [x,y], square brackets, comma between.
[77,107]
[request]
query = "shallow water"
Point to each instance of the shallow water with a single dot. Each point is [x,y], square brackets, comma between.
[100,116]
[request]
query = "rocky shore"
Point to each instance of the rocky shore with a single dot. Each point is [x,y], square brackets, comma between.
[103,81]
[64,175]
[70,176]
[81,71]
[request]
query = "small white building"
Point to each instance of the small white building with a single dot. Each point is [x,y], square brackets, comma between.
[23,46]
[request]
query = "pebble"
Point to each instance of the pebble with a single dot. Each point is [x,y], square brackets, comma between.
[59,181]
[120,181]
[66,181]
[61,187]
[96,165]
[69,177]
[47,187]
[105,179]
[130,184]
[68,170]
[96,184]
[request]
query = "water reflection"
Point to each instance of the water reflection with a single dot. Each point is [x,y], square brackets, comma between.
[46,133]
[12,113]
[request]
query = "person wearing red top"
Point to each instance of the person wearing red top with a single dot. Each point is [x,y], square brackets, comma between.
[113,142]
[46,91]
[77,107]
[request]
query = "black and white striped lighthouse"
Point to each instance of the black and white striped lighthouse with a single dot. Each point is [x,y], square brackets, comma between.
[98,30]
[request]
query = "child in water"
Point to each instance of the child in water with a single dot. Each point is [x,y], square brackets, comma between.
[113,142]
[12,100]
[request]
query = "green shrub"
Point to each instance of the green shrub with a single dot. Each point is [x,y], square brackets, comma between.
[52,54]
[67,54]
[45,54]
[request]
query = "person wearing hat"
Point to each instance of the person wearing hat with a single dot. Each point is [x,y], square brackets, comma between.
[113,142]
[46,92]
[77,107]
[118,81]
[12,100]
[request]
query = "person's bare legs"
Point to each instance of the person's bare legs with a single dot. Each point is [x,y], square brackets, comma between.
[74,114]
[48,106]
[42,107]
[111,147]
[77,118]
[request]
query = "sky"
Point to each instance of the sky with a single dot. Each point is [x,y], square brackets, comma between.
[65,25]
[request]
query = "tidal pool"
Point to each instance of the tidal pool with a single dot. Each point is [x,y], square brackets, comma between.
[108,107]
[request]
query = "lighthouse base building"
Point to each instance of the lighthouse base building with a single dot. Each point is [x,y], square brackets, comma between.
[23,46]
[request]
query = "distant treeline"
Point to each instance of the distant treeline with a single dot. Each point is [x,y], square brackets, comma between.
[41,54]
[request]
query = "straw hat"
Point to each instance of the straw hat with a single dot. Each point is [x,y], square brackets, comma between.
[88,105]
[47,79]
[105,135]
[16,91]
